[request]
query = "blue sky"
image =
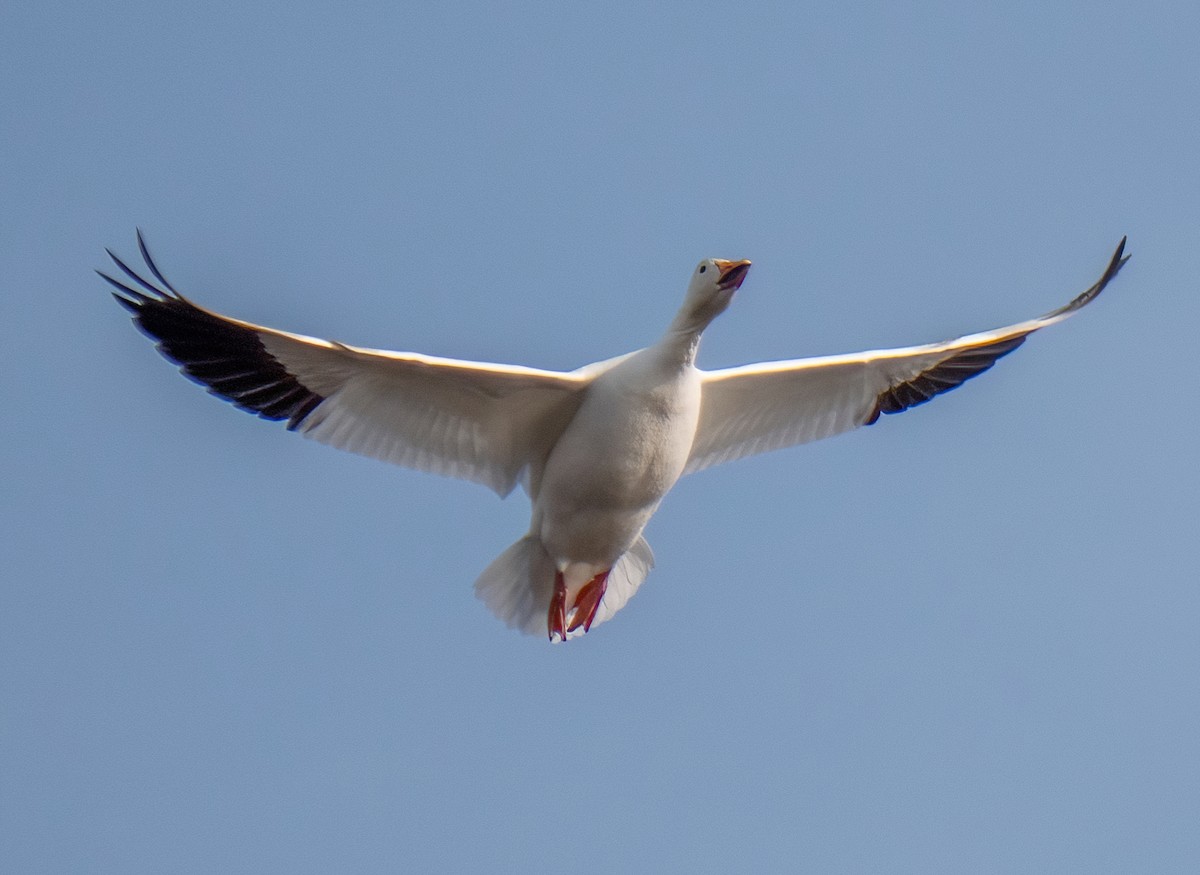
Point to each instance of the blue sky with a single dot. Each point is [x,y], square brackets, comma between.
[963,639]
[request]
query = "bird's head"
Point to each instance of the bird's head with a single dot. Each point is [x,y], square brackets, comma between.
[711,288]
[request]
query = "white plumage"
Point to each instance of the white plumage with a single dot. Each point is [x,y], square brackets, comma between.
[597,449]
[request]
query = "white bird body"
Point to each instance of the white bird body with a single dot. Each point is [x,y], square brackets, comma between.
[619,455]
[597,448]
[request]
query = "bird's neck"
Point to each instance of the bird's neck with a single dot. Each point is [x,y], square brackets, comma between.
[682,342]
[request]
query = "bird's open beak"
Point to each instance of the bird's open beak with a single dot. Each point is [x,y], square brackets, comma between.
[733,273]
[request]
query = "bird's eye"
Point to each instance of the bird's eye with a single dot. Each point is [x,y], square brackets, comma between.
[703,268]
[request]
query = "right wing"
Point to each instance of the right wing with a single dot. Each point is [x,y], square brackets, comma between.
[756,408]
[476,421]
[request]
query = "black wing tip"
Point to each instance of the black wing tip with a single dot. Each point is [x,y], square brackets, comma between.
[1117,261]
[155,291]
[1114,266]
[1084,298]
[145,250]
[956,370]
[131,305]
[132,298]
[127,293]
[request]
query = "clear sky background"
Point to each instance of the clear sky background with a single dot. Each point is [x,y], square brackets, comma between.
[964,639]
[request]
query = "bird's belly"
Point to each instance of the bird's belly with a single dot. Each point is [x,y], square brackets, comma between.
[607,474]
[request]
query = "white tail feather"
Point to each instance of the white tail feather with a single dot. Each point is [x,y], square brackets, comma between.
[518,584]
[627,575]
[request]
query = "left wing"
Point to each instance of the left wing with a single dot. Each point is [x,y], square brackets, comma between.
[761,407]
[473,420]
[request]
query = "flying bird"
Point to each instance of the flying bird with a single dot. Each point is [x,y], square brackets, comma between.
[596,449]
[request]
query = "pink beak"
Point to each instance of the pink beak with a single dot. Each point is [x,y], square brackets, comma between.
[733,273]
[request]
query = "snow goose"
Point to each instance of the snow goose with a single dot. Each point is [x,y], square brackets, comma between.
[596,449]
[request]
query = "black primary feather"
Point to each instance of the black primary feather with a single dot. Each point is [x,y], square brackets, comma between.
[227,358]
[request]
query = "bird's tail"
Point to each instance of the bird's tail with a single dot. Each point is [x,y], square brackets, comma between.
[518,585]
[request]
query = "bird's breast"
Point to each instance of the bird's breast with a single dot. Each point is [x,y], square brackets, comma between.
[621,453]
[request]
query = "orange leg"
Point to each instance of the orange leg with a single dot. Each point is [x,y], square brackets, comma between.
[588,601]
[556,621]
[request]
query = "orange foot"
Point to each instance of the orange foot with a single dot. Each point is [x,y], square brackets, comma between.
[563,618]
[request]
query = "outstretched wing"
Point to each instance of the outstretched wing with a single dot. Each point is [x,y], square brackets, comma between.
[761,407]
[477,421]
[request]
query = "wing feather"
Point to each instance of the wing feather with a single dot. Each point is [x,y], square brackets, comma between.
[756,408]
[477,421]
